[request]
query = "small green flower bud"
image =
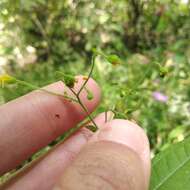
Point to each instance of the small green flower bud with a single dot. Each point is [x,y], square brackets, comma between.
[163,71]
[113,59]
[122,94]
[68,79]
[90,95]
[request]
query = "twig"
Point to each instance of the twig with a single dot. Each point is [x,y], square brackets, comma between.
[44,90]
[89,75]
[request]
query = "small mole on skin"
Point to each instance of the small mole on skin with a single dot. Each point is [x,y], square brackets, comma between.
[57,116]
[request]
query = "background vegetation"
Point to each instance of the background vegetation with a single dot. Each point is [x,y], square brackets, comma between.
[41,36]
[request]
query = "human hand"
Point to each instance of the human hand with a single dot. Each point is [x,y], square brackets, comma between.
[115,157]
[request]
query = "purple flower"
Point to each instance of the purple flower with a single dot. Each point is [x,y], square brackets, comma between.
[159,96]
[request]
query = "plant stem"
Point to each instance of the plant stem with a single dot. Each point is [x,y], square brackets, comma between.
[87,112]
[89,75]
[83,106]
[44,90]
[106,116]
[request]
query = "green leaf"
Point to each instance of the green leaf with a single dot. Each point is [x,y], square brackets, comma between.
[171,168]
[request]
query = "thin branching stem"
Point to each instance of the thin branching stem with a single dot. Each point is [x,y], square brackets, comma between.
[89,75]
[87,112]
[34,87]
[76,94]
[106,116]
[141,79]
[84,107]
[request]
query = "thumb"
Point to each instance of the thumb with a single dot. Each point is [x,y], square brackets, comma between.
[116,158]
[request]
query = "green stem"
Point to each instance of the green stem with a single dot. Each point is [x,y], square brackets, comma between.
[100,53]
[89,75]
[141,79]
[106,116]
[83,107]
[44,90]
[87,112]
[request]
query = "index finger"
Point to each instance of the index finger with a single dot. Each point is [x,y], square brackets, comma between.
[31,122]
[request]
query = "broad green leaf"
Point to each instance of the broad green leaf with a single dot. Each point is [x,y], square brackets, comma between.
[171,168]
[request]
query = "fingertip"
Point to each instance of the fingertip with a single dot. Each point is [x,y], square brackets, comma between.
[130,134]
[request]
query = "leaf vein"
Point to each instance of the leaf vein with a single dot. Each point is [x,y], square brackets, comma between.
[172,173]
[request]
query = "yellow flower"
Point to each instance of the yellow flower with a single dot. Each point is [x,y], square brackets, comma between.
[5,78]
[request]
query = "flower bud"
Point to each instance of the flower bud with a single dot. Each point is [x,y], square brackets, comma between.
[68,79]
[113,59]
[163,72]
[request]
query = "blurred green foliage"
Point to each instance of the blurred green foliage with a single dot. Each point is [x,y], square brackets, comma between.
[40,37]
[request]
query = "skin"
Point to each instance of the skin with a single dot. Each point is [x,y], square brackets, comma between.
[115,157]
